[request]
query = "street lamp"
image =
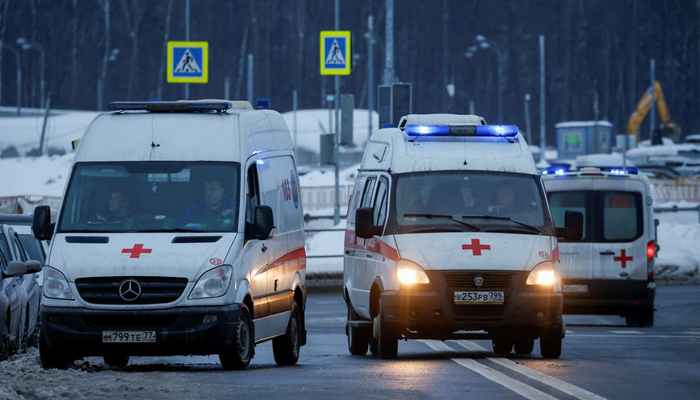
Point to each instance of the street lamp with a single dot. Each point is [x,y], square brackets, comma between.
[19,74]
[27,45]
[487,44]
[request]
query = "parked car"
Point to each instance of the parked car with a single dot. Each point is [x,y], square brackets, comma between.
[36,249]
[23,323]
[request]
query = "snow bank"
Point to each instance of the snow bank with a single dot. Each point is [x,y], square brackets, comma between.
[23,378]
[679,255]
[41,176]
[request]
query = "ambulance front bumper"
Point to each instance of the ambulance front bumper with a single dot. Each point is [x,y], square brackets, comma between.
[429,311]
[178,331]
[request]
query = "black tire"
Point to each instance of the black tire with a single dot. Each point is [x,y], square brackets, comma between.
[550,344]
[387,338]
[502,347]
[646,318]
[4,343]
[286,347]
[51,358]
[357,338]
[237,356]
[116,361]
[632,319]
[373,346]
[524,346]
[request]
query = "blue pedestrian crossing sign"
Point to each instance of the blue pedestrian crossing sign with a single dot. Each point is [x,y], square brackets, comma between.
[188,62]
[335,53]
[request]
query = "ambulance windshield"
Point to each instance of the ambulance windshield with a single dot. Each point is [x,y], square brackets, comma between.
[470,201]
[152,197]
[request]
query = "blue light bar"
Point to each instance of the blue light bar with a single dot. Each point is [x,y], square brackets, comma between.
[462,130]
[555,170]
[428,130]
[621,171]
[169,106]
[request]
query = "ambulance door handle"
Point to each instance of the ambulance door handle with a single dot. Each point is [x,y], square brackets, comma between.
[607,253]
[264,248]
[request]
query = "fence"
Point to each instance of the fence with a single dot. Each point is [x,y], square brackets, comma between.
[676,190]
[27,204]
[320,197]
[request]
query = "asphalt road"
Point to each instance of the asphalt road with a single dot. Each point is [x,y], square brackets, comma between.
[602,358]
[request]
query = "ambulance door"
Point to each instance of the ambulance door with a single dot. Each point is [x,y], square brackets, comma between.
[575,257]
[351,249]
[360,276]
[620,246]
[377,263]
[256,252]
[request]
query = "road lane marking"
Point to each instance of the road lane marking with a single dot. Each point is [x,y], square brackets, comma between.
[491,374]
[627,332]
[558,384]
[638,336]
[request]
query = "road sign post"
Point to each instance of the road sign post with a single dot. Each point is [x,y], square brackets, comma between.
[188,62]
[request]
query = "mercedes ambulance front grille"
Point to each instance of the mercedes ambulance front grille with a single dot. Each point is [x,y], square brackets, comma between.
[468,280]
[151,290]
[130,321]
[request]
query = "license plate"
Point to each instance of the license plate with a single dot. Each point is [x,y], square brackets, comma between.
[479,297]
[575,288]
[128,336]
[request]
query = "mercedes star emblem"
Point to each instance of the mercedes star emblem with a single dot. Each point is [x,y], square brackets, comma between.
[478,280]
[130,290]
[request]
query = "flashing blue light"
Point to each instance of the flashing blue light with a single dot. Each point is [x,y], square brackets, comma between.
[559,171]
[420,130]
[386,125]
[555,170]
[496,130]
[262,103]
[620,171]
[462,130]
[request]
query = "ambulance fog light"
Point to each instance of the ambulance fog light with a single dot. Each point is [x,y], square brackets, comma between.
[540,316]
[56,285]
[410,273]
[213,283]
[209,319]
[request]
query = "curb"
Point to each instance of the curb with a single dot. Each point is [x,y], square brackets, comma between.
[324,283]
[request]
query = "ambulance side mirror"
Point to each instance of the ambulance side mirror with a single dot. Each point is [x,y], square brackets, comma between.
[42,228]
[573,226]
[364,220]
[264,222]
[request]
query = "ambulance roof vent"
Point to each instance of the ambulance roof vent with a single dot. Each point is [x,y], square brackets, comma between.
[180,106]
[440,119]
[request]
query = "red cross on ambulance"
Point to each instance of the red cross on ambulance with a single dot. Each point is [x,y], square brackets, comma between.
[137,251]
[623,258]
[476,247]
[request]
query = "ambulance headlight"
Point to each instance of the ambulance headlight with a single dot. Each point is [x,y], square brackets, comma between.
[410,273]
[213,283]
[545,274]
[56,285]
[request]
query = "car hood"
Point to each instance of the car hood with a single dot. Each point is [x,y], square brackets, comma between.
[143,254]
[475,251]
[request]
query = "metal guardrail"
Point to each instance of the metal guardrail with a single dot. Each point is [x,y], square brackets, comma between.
[677,209]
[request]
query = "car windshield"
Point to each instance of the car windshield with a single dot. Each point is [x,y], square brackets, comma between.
[470,201]
[32,247]
[152,197]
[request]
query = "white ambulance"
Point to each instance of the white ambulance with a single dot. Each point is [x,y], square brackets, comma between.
[449,236]
[180,233]
[610,269]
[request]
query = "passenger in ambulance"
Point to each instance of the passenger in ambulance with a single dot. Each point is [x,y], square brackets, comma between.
[213,207]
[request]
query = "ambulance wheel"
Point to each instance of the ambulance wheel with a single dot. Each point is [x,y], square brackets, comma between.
[357,339]
[4,343]
[387,338]
[116,361]
[524,346]
[239,353]
[640,318]
[50,358]
[286,348]
[550,343]
[502,347]
[373,346]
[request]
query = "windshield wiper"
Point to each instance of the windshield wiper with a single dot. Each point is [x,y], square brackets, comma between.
[533,228]
[175,230]
[443,216]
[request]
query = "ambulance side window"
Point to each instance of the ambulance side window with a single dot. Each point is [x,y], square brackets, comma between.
[367,192]
[253,195]
[380,202]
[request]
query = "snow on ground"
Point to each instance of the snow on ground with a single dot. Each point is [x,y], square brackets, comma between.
[679,255]
[41,176]
[311,123]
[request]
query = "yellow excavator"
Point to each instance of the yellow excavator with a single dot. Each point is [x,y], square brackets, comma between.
[668,127]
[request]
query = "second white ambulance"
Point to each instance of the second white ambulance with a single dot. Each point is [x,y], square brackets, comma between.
[449,236]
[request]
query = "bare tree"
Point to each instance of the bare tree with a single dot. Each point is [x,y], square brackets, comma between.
[74,53]
[5,5]
[102,82]
[133,14]
[164,50]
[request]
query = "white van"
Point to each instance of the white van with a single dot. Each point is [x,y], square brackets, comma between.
[180,233]
[449,236]
[610,269]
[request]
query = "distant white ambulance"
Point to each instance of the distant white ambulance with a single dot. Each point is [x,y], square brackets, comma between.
[610,269]
[180,233]
[449,236]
